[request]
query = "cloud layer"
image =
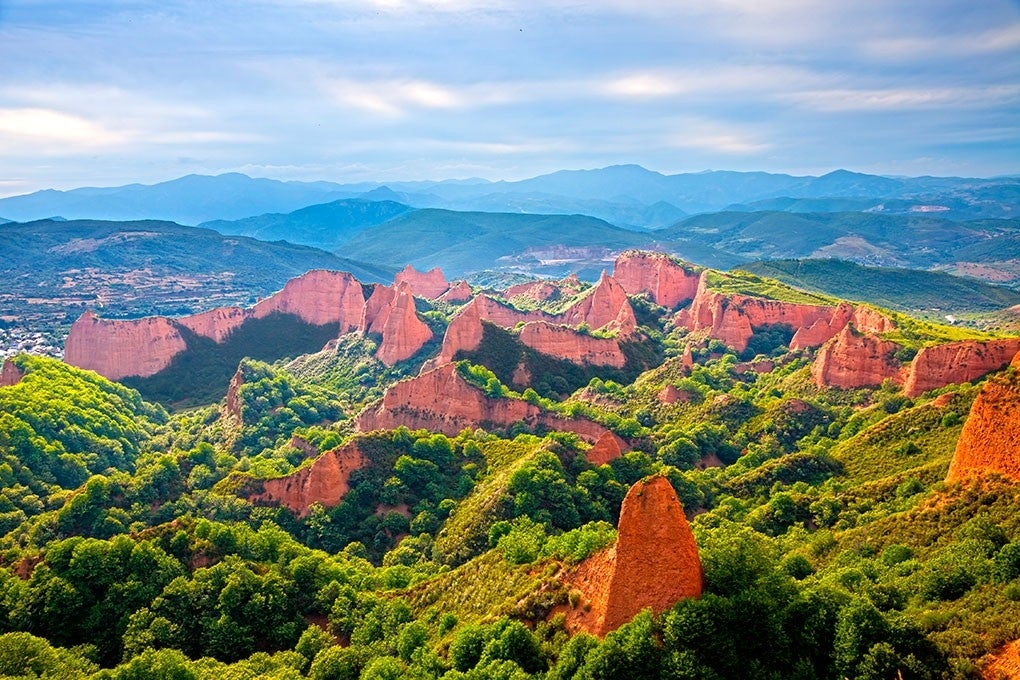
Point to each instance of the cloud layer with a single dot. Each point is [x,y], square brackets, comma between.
[99,93]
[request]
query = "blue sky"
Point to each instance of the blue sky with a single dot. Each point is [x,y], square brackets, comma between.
[106,93]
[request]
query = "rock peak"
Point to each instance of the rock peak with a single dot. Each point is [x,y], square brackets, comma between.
[654,564]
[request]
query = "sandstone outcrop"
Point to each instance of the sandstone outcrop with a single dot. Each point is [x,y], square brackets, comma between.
[854,359]
[318,297]
[605,304]
[10,374]
[458,292]
[545,333]
[564,342]
[325,481]
[232,406]
[216,324]
[667,281]
[608,448]
[442,401]
[430,284]
[373,316]
[733,318]
[654,563]
[957,362]
[1004,664]
[543,291]
[120,348]
[142,347]
[990,440]
[403,333]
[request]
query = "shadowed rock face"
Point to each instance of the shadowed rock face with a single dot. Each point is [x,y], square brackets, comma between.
[654,563]
[10,374]
[442,401]
[458,292]
[990,440]
[430,284]
[142,347]
[325,481]
[666,281]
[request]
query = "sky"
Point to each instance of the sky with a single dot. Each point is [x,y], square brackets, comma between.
[120,91]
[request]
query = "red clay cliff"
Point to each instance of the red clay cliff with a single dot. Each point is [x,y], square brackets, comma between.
[990,440]
[116,349]
[667,281]
[430,284]
[957,362]
[442,401]
[654,563]
[325,481]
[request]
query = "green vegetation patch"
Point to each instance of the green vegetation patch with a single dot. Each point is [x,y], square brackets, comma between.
[200,374]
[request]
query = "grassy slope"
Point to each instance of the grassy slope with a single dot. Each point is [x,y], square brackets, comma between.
[461,242]
[906,290]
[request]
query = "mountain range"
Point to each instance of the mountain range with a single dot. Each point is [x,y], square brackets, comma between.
[625,195]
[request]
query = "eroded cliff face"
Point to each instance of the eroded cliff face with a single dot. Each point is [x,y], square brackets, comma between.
[564,342]
[608,448]
[430,284]
[666,281]
[957,362]
[854,359]
[403,333]
[325,481]
[10,374]
[732,318]
[990,440]
[216,324]
[318,297]
[654,564]
[442,401]
[117,349]
[543,291]
[605,304]
[458,292]
[232,406]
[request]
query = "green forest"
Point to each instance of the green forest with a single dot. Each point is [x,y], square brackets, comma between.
[831,546]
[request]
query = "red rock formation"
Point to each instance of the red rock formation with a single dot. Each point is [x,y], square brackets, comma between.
[458,292]
[957,362]
[232,406]
[731,318]
[373,316]
[463,333]
[542,290]
[608,448]
[1004,664]
[403,332]
[671,395]
[325,481]
[654,563]
[442,401]
[606,303]
[430,284]
[318,297]
[990,440]
[120,348]
[216,323]
[564,342]
[667,281]
[854,359]
[10,374]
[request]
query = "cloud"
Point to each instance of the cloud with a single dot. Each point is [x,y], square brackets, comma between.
[52,129]
[906,98]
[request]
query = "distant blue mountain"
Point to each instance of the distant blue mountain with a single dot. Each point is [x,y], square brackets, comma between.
[624,195]
[323,226]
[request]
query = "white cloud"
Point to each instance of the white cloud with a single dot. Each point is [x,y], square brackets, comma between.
[891,99]
[50,128]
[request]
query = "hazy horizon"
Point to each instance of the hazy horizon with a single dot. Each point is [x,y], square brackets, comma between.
[111,93]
